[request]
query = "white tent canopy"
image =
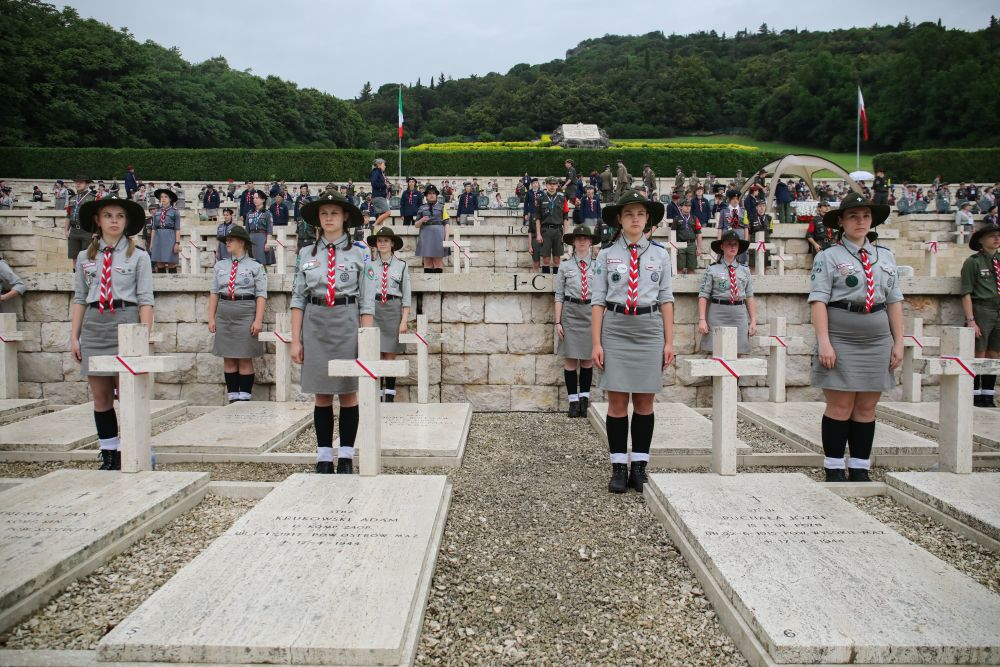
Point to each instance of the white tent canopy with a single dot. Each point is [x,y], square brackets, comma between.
[800,166]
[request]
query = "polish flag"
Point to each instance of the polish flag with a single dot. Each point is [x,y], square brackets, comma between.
[861,112]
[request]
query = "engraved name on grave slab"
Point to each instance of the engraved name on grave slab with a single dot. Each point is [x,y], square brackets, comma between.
[244,427]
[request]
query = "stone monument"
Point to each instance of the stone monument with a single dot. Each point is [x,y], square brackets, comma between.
[580,135]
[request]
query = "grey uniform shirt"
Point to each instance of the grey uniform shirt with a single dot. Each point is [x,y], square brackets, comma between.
[251,278]
[10,280]
[611,274]
[397,283]
[131,277]
[310,279]
[716,284]
[569,278]
[837,274]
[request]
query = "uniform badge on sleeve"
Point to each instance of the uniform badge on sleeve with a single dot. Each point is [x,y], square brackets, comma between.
[371,273]
[655,276]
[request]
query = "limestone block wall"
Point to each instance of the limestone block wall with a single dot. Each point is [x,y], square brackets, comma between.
[496,347]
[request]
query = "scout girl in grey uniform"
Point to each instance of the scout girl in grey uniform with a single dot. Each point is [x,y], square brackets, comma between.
[632,332]
[857,312]
[222,233]
[574,288]
[77,238]
[165,234]
[260,224]
[432,221]
[726,295]
[11,288]
[240,283]
[392,298]
[113,285]
[329,295]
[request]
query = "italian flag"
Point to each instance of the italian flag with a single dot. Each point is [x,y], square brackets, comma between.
[401,113]
[861,113]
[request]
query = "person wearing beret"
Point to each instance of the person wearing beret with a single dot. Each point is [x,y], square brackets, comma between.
[632,332]
[392,298]
[726,295]
[857,312]
[330,299]
[432,221]
[113,285]
[236,312]
[981,303]
[165,233]
[573,287]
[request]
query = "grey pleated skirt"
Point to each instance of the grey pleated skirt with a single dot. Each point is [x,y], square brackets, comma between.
[387,320]
[232,330]
[328,333]
[721,315]
[863,344]
[577,343]
[633,353]
[162,250]
[99,334]
[431,241]
[264,257]
[221,252]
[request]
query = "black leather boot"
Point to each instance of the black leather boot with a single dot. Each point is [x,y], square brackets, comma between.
[345,466]
[987,401]
[977,400]
[835,475]
[574,409]
[584,406]
[857,475]
[389,398]
[116,460]
[324,467]
[637,476]
[108,460]
[619,478]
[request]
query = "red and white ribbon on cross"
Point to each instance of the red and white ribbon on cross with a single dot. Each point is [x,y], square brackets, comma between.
[422,339]
[727,367]
[932,246]
[761,246]
[673,245]
[281,338]
[778,338]
[961,363]
[127,367]
[467,255]
[916,341]
[4,340]
[194,245]
[366,369]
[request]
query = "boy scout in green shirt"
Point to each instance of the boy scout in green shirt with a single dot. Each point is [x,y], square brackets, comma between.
[981,303]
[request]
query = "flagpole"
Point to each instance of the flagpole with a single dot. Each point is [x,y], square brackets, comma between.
[857,119]
[400,144]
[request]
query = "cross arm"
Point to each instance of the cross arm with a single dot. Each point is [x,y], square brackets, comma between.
[135,365]
[363,368]
[713,367]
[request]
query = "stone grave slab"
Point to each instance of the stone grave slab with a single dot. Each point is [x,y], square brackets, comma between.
[429,430]
[11,406]
[678,430]
[324,570]
[973,498]
[59,527]
[776,551]
[244,427]
[67,429]
[799,424]
[924,417]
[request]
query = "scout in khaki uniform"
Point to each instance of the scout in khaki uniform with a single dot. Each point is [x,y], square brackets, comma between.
[573,288]
[392,298]
[330,298]
[857,313]
[726,295]
[632,332]
[981,303]
[236,312]
[11,288]
[77,238]
[113,285]
[688,229]
[550,224]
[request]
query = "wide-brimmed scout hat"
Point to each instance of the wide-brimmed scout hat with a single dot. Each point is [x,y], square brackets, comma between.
[238,232]
[580,230]
[166,191]
[387,233]
[880,212]
[976,243]
[552,179]
[133,211]
[655,209]
[82,179]
[310,211]
[730,235]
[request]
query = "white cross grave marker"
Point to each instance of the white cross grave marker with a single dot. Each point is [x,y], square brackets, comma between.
[759,248]
[282,339]
[191,244]
[725,370]
[280,245]
[673,245]
[422,338]
[777,360]
[134,366]
[368,368]
[459,250]
[9,337]
[778,258]
[913,348]
[930,254]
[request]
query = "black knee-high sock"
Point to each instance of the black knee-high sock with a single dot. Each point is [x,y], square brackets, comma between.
[348,427]
[246,383]
[977,384]
[570,382]
[835,434]
[586,378]
[546,269]
[106,423]
[232,382]
[989,383]
[642,435]
[617,438]
[390,384]
[860,437]
[323,421]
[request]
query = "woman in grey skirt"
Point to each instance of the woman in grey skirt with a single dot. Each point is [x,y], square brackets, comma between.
[260,224]
[573,288]
[113,285]
[165,233]
[432,221]
[392,298]
[330,294]
[726,295]
[632,332]
[236,312]
[857,312]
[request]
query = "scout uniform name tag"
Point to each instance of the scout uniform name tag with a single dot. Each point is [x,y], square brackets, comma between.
[622,268]
[612,260]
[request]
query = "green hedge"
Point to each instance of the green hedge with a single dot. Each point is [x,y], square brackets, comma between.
[952,164]
[339,165]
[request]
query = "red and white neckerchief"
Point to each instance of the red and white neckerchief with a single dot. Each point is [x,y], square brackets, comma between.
[584,286]
[869,280]
[733,289]
[331,274]
[106,298]
[385,281]
[996,271]
[232,278]
[163,215]
[632,299]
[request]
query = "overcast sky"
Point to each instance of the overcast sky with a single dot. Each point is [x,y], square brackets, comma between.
[337,46]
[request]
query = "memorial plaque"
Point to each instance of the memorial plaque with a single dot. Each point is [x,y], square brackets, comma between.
[678,430]
[816,580]
[800,424]
[924,417]
[244,427]
[324,570]
[428,430]
[580,135]
[973,498]
[67,429]
[52,527]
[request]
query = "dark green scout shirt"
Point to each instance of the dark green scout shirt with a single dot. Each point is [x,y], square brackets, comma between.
[979,277]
